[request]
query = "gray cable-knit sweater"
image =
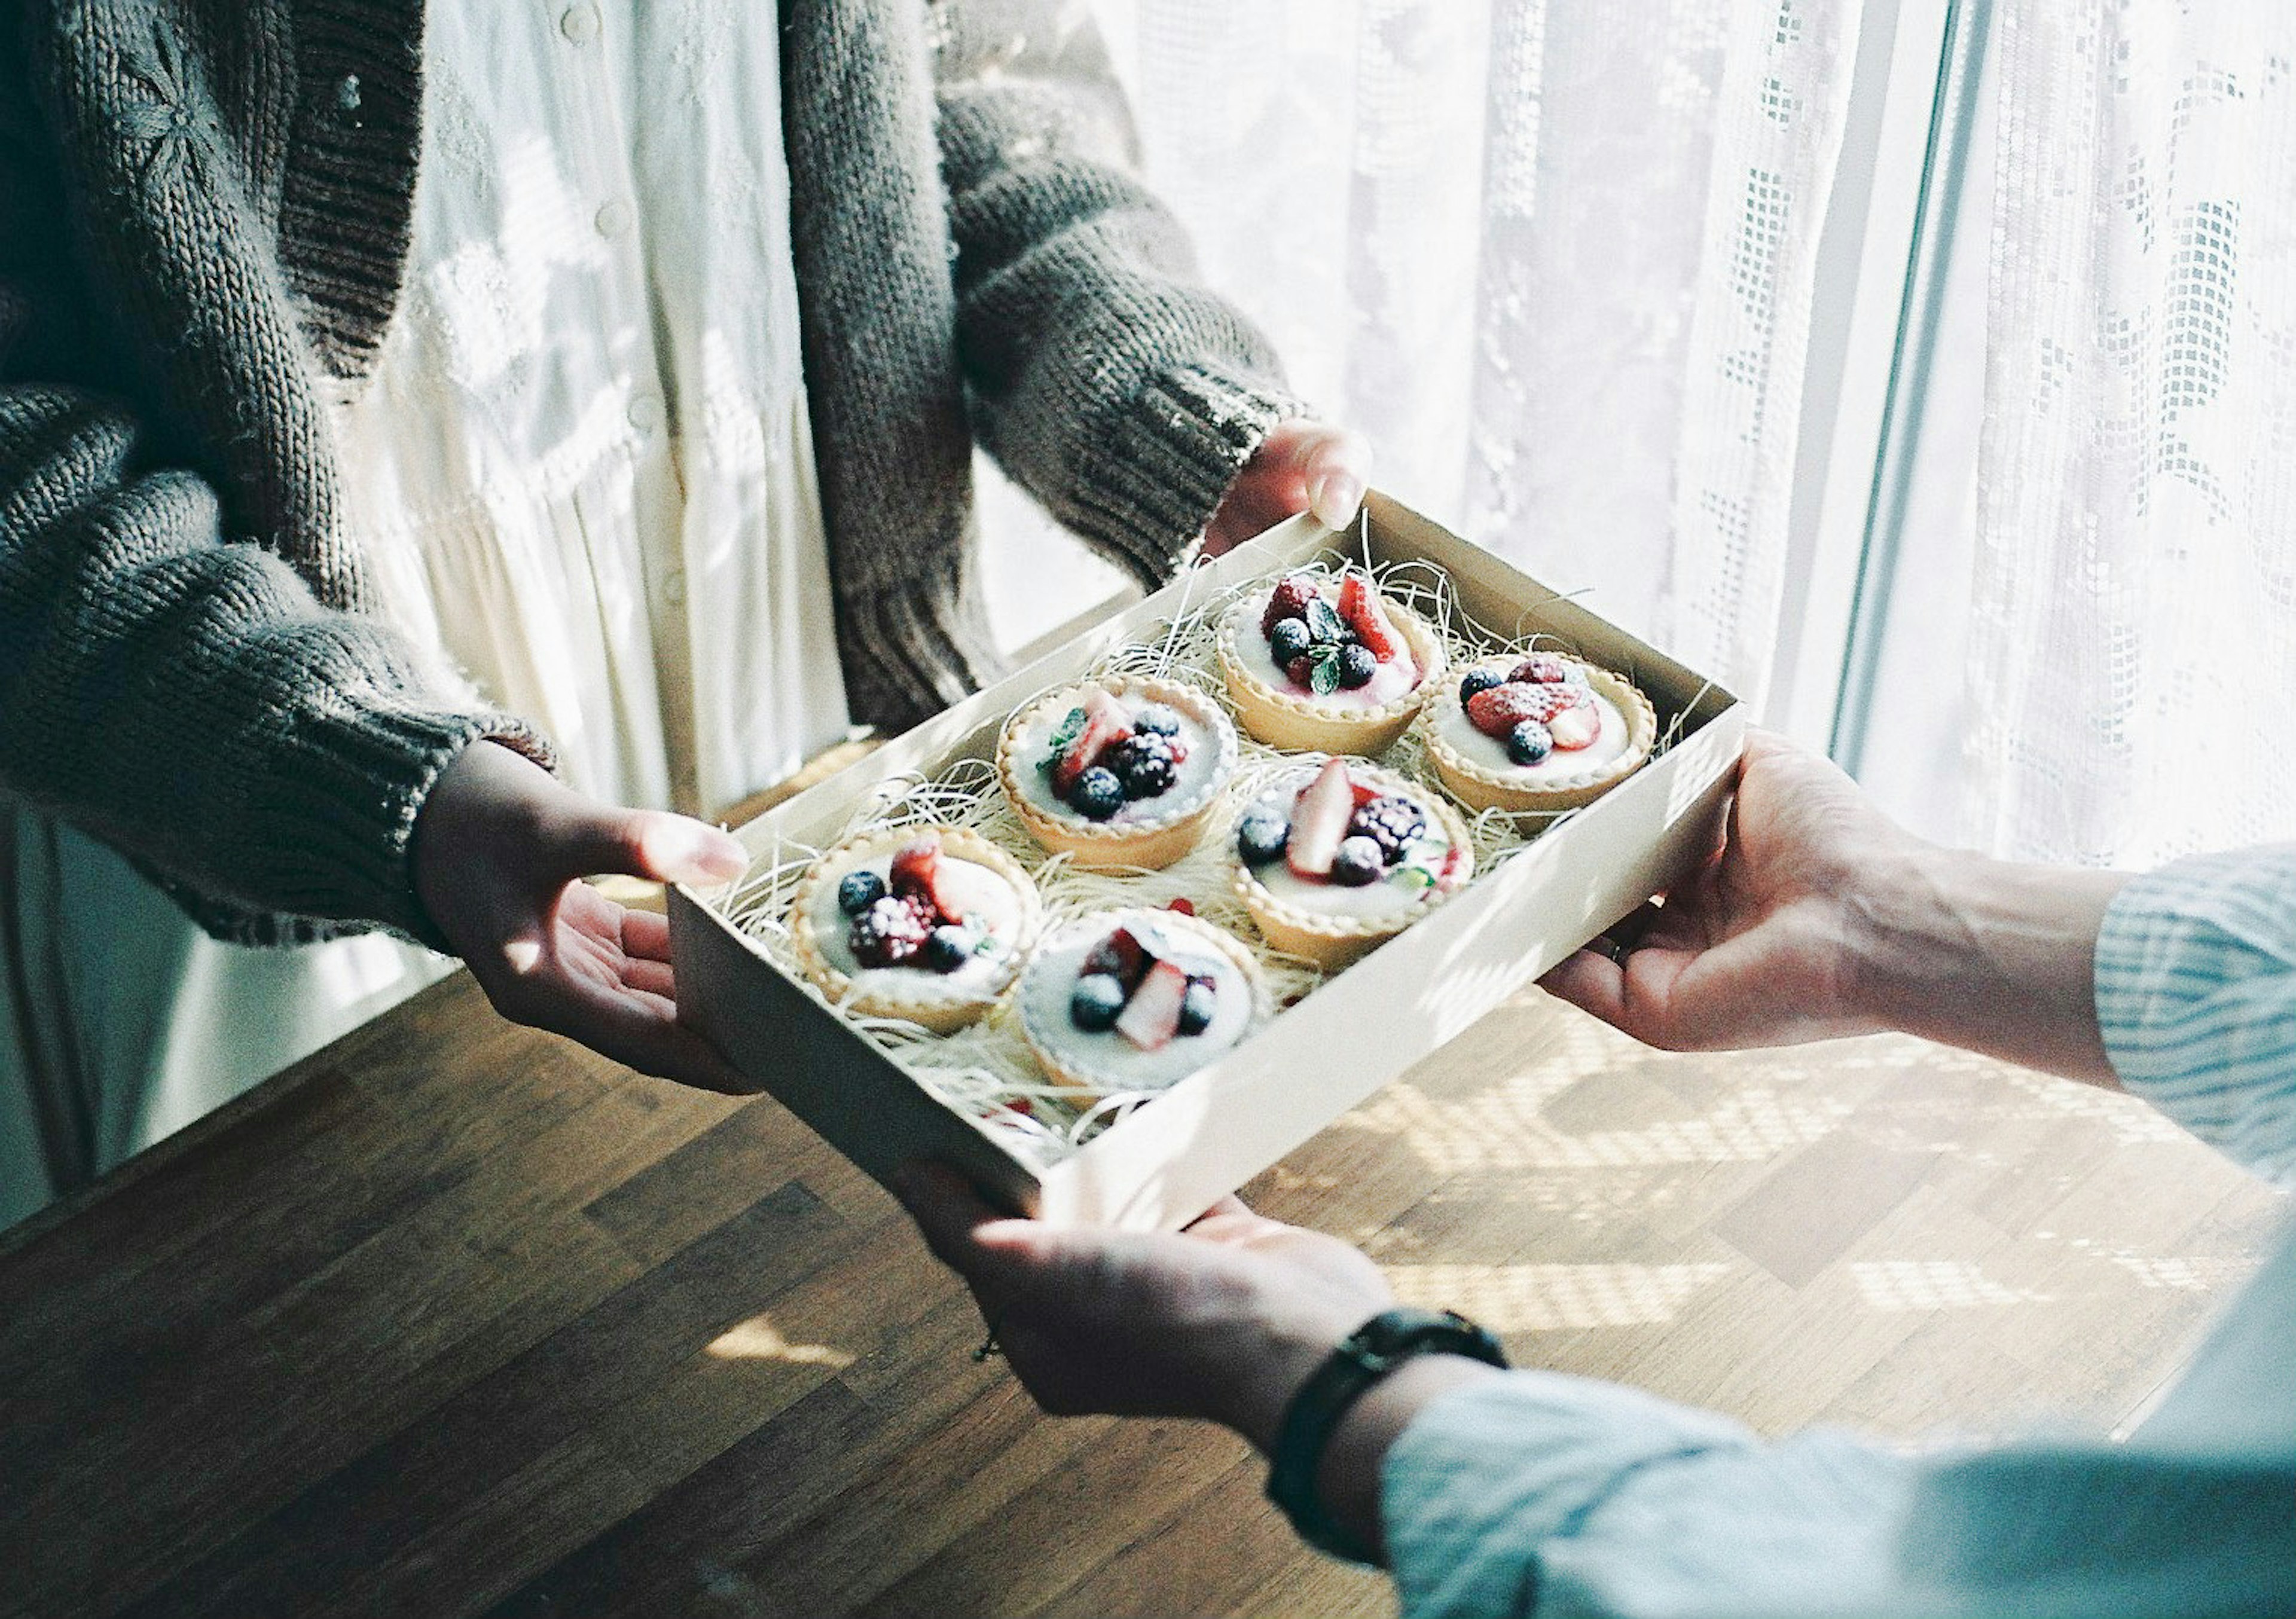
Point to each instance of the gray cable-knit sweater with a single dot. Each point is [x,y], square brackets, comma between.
[204,211]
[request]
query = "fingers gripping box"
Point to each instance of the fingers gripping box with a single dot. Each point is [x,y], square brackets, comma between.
[1552,884]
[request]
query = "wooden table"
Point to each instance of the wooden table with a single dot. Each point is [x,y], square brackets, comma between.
[454,1318]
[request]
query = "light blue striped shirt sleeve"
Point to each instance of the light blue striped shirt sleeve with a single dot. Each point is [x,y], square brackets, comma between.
[1540,1494]
[2196,998]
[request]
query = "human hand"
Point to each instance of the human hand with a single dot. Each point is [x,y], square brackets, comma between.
[500,850]
[1223,1321]
[1764,945]
[1301,466]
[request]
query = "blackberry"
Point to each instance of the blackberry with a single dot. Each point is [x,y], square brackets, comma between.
[1288,640]
[1261,836]
[949,948]
[1098,794]
[1529,742]
[1197,1006]
[1480,681]
[1357,665]
[1096,1002]
[1145,762]
[1390,821]
[1358,863]
[856,891]
[890,933]
[1158,718]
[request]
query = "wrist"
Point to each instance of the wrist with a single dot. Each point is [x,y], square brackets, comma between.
[1990,956]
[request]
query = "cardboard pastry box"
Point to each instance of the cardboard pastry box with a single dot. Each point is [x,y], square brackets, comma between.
[1165,1162]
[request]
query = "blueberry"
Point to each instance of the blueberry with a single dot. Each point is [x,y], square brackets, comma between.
[1261,836]
[1158,718]
[1095,1001]
[1357,864]
[1529,742]
[1098,794]
[1289,640]
[949,948]
[1481,680]
[859,891]
[1196,1007]
[1357,666]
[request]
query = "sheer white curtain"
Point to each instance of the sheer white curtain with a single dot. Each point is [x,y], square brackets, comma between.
[1555,256]
[2132,661]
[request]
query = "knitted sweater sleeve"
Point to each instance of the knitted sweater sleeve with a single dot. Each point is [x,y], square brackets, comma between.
[1103,377]
[166,684]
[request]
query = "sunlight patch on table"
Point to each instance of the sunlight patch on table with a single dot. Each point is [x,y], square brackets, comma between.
[759,1339]
[1547,1298]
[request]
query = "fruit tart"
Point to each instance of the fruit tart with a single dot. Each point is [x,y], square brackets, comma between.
[1137,1000]
[1334,858]
[1327,663]
[927,923]
[1541,732]
[1123,771]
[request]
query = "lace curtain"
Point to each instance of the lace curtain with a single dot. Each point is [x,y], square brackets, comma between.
[2133,650]
[1555,258]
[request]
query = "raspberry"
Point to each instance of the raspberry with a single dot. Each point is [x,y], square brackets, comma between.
[1392,822]
[1302,669]
[1288,600]
[1145,762]
[890,932]
[1544,669]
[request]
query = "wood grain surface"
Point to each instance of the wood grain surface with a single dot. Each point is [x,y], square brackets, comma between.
[458,1319]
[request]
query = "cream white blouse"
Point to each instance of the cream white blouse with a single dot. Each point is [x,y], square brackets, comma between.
[584,470]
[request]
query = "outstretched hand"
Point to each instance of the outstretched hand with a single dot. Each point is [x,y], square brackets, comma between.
[1761,946]
[500,850]
[1301,466]
[1223,1321]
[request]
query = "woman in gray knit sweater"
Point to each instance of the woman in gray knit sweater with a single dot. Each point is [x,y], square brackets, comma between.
[381,394]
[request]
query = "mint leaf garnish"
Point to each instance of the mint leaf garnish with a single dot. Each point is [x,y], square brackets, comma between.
[1323,670]
[1066,734]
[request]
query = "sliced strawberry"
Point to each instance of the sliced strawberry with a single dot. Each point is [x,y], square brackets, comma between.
[1151,1017]
[1104,721]
[918,876]
[1121,956]
[1575,727]
[1366,615]
[1501,709]
[1453,858]
[1319,820]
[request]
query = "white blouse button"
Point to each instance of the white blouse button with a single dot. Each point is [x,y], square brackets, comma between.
[580,23]
[613,219]
[673,587]
[646,414]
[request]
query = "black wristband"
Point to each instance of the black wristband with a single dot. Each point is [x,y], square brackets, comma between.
[1361,1358]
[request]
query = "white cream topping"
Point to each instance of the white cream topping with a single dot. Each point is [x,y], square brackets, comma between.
[1395,678]
[988,901]
[1105,1058]
[1195,781]
[1451,722]
[1394,896]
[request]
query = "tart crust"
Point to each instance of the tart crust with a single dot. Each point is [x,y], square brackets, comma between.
[1483,787]
[1148,843]
[1216,941]
[943,1013]
[1332,942]
[1287,719]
